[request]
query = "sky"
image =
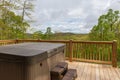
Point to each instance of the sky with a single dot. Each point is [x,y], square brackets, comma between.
[75,16]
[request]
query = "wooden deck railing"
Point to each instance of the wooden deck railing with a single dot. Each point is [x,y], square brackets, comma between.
[6,42]
[87,51]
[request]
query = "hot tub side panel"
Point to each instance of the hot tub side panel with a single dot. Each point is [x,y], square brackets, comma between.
[38,71]
[11,71]
[53,60]
[20,71]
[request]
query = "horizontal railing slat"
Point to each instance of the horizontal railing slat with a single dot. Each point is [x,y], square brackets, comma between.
[7,41]
[94,42]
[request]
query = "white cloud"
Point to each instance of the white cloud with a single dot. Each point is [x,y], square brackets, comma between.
[115,5]
[76,12]
[76,16]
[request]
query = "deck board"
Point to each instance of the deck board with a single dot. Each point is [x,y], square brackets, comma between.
[91,71]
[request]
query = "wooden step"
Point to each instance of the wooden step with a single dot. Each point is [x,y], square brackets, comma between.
[70,75]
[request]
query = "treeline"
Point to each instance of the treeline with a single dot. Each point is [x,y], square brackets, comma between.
[40,35]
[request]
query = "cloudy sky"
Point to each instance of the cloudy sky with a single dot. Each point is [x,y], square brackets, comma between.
[77,16]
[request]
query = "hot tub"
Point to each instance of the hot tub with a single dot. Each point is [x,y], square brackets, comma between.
[29,61]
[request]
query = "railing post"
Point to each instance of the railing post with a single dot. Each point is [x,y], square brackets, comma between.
[114,53]
[16,41]
[38,40]
[71,50]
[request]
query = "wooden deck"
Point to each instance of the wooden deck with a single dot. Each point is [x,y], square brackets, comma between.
[91,71]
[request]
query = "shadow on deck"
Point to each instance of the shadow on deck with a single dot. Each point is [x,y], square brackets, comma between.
[91,71]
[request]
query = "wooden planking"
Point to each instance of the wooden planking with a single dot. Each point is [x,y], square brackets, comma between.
[91,71]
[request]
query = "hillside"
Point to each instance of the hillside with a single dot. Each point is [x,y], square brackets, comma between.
[68,36]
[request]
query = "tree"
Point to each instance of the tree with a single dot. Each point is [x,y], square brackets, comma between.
[48,33]
[3,28]
[15,27]
[37,35]
[106,28]
[26,7]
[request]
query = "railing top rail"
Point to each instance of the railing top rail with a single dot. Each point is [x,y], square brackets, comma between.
[64,41]
[59,41]
[6,41]
[94,42]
